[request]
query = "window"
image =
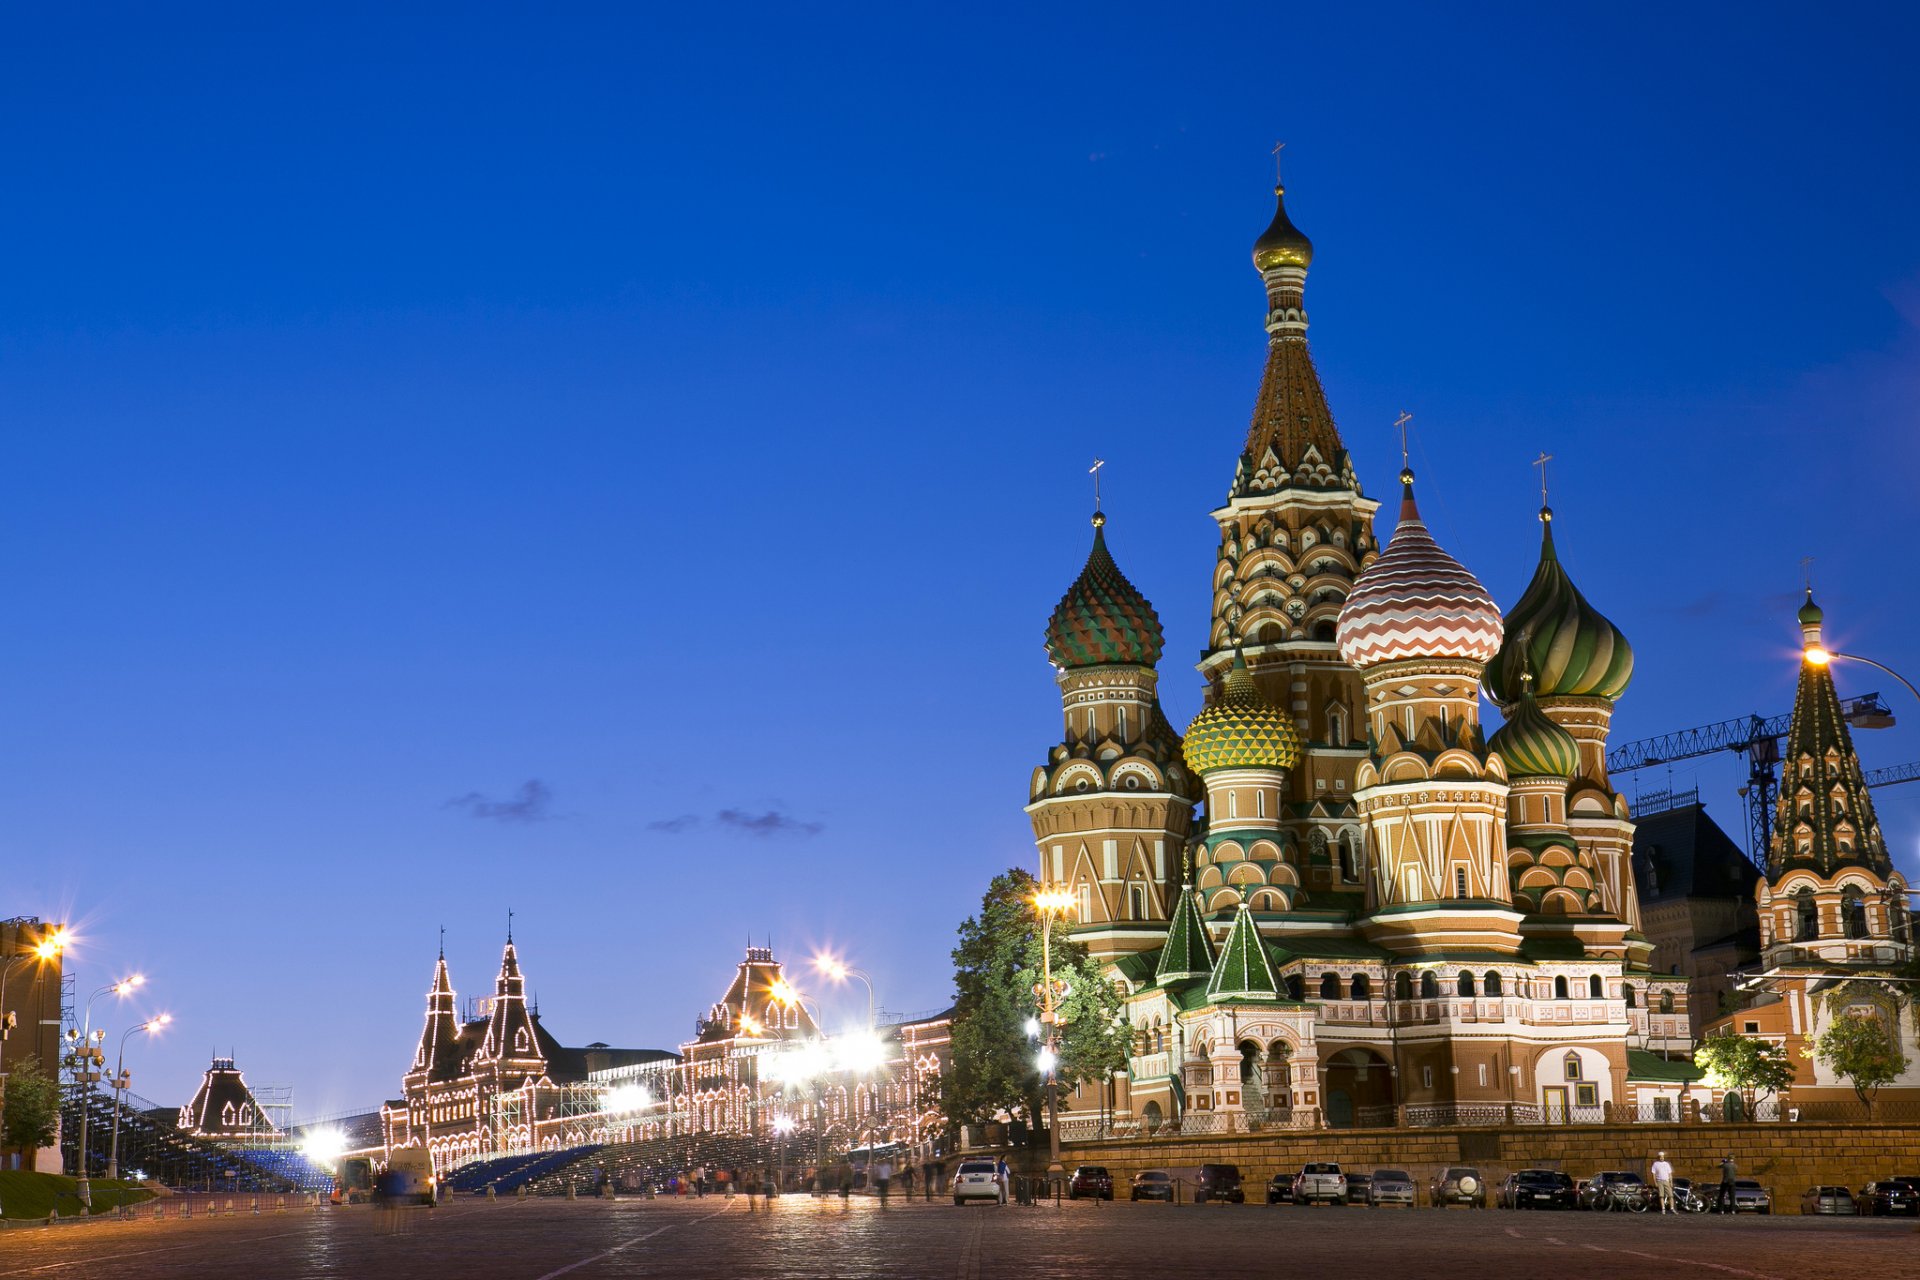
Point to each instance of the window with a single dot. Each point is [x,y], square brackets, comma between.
[1336,729]
[1426,1077]
[1560,988]
[1137,901]
[1483,1075]
[1260,802]
[1429,986]
[1296,988]
[1596,989]
[1349,859]
[1233,804]
[1808,915]
[1663,1110]
[1329,986]
[1586,1095]
[1085,896]
[1459,882]
[1633,1001]
[1491,983]
[1360,988]
[1570,1066]
[1853,911]
[1666,1002]
[1465,983]
[1402,986]
[1750,1028]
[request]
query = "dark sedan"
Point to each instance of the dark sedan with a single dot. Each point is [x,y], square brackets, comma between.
[1153,1184]
[1889,1196]
[1092,1181]
[1538,1189]
[1280,1188]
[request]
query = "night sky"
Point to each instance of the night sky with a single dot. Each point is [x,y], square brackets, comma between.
[617,464]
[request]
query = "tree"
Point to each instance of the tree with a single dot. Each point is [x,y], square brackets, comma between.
[1863,1048]
[1746,1063]
[32,1102]
[997,969]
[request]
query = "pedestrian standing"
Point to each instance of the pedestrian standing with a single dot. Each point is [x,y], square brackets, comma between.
[1663,1181]
[882,1176]
[1724,1202]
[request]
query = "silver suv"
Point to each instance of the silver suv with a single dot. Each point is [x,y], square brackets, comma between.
[1320,1181]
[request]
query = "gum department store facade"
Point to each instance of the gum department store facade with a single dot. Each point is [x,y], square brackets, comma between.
[1387,914]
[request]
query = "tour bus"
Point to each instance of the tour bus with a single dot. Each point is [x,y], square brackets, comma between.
[407,1179]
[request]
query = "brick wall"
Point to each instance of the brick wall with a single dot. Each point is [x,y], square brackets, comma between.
[1786,1157]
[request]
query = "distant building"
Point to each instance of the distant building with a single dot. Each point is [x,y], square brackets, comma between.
[29,1018]
[224,1108]
[1696,903]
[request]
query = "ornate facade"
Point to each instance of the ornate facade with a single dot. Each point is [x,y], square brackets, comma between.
[1385,914]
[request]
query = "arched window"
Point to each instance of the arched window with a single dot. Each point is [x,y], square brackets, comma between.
[1360,988]
[1633,1001]
[1491,983]
[1596,989]
[1666,1002]
[1560,988]
[1296,987]
[1349,859]
[1807,914]
[1329,986]
[1570,1066]
[1429,986]
[1465,984]
[1854,912]
[1336,728]
[1402,986]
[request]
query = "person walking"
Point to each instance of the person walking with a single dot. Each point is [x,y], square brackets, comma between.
[882,1176]
[1723,1203]
[1663,1181]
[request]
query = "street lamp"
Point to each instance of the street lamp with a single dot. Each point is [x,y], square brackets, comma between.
[51,945]
[1819,655]
[86,1058]
[120,1081]
[1049,903]
[836,969]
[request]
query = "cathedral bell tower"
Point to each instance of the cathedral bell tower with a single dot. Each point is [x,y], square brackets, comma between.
[1112,806]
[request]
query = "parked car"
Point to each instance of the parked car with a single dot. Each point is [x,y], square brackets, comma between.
[1538,1189]
[1458,1184]
[1091,1180]
[1322,1182]
[1888,1196]
[1615,1189]
[1358,1187]
[1280,1188]
[1837,1201]
[1219,1182]
[1749,1197]
[978,1180]
[1153,1184]
[1389,1186]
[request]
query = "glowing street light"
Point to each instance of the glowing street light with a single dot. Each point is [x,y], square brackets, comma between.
[88,1059]
[1049,903]
[836,969]
[52,944]
[121,1079]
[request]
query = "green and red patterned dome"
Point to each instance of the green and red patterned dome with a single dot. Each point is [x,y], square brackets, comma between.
[1568,645]
[1242,730]
[1103,619]
[1534,746]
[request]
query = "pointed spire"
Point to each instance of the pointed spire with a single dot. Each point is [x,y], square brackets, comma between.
[1825,818]
[1188,952]
[1244,971]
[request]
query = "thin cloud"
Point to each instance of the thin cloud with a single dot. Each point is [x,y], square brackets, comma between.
[769,822]
[533,802]
[684,822]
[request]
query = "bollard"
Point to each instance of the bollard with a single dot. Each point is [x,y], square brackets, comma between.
[572,1192]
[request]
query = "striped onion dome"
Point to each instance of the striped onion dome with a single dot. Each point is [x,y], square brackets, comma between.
[1567,644]
[1103,618]
[1241,730]
[1534,746]
[1416,601]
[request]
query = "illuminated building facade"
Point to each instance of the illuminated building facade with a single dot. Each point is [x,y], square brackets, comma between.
[224,1109]
[30,1016]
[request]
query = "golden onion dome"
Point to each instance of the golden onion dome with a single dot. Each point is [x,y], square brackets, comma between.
[1282,244]
[1241,730]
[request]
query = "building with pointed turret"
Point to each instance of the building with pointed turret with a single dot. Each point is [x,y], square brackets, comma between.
[1836,934]
[1352,905]
[223,1108]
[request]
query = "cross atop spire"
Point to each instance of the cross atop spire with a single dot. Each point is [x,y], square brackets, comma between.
[1806,574]
[1278,147]
[509,926]
[1094,471]
[443,942]
[1546,512]
[1402,423]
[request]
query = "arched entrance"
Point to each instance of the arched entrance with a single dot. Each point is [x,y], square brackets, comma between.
[1152,1117]
[1357,1087]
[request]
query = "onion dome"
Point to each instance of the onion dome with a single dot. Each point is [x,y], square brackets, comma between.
[1103,618]
[1811,617]
[1567,644]
[1241,730]
[1416,601]
[1532,745]
[1282,244]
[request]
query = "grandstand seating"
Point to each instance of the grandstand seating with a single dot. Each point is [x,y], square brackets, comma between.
[507,1174]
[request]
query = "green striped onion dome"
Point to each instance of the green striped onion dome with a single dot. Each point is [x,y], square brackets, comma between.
[1103,618]
[1568,645]
[1534,746]
[1241,730]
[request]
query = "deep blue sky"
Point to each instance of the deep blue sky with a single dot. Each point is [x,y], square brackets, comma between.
[689,416]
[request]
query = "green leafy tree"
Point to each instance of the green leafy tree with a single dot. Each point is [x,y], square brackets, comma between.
[1746,1063]
[997,973]
[1863,1049]
[32,1102]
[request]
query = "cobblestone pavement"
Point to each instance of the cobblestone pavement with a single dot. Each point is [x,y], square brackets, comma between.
[801,1238]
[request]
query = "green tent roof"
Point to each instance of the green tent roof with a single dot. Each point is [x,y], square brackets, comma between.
[1243,971]
[1187,952]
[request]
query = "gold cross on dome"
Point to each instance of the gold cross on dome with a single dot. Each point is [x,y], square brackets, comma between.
[1094,471]
[1402,422]
[1278,147]
[1541,462]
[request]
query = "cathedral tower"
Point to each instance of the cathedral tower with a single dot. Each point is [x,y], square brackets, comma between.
[1420,628]
[1112,805]
[1295,533]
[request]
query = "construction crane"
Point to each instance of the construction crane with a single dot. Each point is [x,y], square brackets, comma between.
[1758,739]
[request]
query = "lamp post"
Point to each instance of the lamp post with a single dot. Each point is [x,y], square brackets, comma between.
[787,996]
[51,945]
[86,1058]
[1049,903]
[120,1081]
[839,971]
[1820,656]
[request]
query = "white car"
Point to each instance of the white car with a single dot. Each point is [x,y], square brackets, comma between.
[978,1180]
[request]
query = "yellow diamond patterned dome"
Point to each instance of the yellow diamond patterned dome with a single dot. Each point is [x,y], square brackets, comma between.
[1241,731]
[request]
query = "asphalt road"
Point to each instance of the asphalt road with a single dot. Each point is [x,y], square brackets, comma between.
[801,1238]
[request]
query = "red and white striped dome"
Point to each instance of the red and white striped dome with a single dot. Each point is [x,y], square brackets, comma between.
[1416,601]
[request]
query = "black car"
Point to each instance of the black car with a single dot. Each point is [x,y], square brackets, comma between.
[1219,1182]
[1091,1180]
[1280,1188]
[1888,1196]
[1153,1184]
[1538,1189]
[1616,1189]
[1359,1188]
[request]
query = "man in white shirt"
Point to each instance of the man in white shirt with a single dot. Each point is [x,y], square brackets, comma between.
[1663,1181]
